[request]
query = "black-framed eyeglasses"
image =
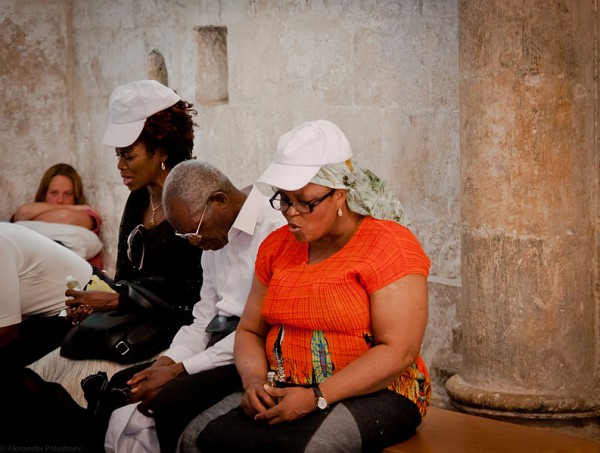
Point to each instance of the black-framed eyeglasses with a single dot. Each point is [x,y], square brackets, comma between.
[303,207]
[137,231]
[194,238]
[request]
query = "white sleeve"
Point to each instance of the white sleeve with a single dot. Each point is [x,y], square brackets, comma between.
[190,342]
[10,296]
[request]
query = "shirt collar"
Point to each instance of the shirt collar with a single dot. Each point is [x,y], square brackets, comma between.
[248,216]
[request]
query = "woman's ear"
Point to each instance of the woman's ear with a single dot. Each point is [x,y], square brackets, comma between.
[340,194]
[162,156]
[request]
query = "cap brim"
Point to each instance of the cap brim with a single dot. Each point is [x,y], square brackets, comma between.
[122,135]
[288,177]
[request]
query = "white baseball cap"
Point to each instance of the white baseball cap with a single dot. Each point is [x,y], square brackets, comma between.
[130,105]
[302,151]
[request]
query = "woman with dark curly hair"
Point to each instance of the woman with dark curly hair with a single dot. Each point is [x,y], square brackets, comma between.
[151,129]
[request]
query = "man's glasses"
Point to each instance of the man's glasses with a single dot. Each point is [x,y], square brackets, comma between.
[194,238]
[130,240]
[303,207]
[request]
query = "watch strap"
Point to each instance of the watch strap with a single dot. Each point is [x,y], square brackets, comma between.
[317,392]
[322,403]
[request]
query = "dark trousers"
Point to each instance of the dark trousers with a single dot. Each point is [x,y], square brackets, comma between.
[182,399]
[367,423]
[38,336]
[42,416]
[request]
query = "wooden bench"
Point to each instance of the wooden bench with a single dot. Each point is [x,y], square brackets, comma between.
[444,431]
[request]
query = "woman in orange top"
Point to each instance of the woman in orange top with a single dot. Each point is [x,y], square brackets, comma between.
[337,309]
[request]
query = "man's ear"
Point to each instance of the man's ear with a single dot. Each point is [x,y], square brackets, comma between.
[219,198]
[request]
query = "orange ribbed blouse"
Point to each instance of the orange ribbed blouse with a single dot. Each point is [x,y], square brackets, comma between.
[320,314]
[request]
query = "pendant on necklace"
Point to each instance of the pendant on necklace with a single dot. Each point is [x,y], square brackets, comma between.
[152,223]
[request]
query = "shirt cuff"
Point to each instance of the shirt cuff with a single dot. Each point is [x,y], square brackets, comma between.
[178,353]
[197,363]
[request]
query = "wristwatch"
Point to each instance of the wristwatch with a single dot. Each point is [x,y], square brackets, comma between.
[321,401]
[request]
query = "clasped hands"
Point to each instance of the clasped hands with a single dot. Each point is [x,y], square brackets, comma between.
[146,384]
[276,405]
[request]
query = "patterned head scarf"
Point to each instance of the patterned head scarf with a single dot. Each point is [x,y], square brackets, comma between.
[367,194]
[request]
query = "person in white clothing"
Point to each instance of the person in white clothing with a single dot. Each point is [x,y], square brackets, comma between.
[33,270]
[197,370]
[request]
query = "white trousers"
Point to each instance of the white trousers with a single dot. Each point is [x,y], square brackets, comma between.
[130,431]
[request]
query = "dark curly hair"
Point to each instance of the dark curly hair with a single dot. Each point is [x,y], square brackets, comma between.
[172,131]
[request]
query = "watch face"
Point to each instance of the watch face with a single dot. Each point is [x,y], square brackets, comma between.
[322,403]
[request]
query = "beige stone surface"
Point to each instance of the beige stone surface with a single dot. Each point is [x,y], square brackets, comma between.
[35,112]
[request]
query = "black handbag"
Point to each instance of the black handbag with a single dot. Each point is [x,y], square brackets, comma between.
[132,333]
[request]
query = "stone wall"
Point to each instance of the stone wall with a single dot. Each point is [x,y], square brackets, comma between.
[385,71]
[36,116]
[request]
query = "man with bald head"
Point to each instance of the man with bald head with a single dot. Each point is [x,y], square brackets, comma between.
[228,223]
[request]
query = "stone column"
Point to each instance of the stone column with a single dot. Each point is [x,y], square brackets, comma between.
[529,175]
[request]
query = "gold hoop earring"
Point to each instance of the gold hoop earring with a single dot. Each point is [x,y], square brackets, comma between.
[162,166]
[340,213]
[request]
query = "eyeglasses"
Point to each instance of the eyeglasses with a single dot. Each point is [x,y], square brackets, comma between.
[138,230]
[303,207]
[194,238]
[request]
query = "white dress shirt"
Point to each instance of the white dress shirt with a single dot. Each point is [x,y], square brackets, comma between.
[227,277]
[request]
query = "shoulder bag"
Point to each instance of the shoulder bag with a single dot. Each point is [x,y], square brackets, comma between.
[135,332]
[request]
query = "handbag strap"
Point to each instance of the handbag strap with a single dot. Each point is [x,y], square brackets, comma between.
[146,299]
